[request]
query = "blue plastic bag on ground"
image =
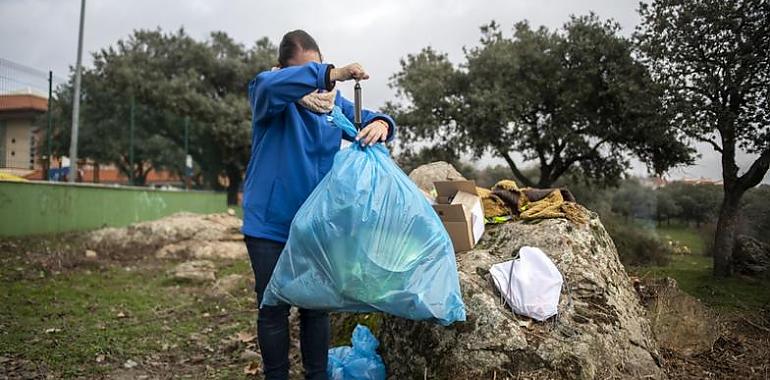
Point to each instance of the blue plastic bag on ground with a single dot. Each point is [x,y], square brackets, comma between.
[360,362]
[367,239]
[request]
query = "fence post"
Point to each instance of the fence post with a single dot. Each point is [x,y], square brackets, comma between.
[187,158]
[131,142]
[48,131]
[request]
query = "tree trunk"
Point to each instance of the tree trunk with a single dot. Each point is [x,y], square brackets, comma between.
[724,239]
[234,178]
[545,182]
[517,174]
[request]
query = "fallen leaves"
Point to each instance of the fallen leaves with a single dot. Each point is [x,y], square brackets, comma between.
[249,354]
[246,336]
[252,369]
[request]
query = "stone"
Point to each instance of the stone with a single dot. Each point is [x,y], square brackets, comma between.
[178,236]
[424,176]
[751,256]
[176,228]
[601,330]
[229,284]
[249,355]
[195,271]
[228,250]
[91,254]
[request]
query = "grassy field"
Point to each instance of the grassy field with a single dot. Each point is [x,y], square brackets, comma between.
[684,234]
[694,275]
[66,316]
[119,320]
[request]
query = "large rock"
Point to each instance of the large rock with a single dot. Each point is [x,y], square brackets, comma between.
[182,235]
[425,175]
[195,271]
[600,332]
[751,256]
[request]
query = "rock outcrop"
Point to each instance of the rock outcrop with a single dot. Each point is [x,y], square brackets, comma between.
[425,175]
[179,236]
[601,330]
[195,271]
[751,256]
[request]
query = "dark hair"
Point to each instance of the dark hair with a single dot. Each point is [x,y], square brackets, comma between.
[292,42]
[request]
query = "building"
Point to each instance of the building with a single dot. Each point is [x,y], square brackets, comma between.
[22,147]
[19,137]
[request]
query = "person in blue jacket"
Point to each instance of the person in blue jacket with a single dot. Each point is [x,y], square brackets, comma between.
[292,148]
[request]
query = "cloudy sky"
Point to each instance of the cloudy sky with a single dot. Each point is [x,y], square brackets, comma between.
[43,33]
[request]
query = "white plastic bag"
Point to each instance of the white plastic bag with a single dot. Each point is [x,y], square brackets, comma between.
[531,284]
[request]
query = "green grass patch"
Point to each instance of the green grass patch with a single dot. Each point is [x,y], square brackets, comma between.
[694,275]
[684,234]
[65,321]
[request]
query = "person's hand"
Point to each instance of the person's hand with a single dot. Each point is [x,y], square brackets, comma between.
[372,133]
[351,71]
[319,102]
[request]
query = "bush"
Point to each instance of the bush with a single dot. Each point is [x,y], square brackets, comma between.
[707,232]
[638,246]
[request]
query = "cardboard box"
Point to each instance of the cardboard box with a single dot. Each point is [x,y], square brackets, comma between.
[459,207]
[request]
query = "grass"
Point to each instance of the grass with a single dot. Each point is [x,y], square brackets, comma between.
[694,275]
[684,234]
[87,323]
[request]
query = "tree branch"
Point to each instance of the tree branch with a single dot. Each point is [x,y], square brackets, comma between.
[515,169]
[756,172]
[713,143]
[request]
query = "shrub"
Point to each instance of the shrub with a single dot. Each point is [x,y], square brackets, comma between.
[637,246]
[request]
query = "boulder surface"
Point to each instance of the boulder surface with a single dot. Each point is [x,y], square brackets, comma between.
[601,331]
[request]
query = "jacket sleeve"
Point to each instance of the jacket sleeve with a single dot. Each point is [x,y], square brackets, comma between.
[367,116]
[271,91]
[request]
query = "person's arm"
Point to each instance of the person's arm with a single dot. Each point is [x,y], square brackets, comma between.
[271,91]
[368,118]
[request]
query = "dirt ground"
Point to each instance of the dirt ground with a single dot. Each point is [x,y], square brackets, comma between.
[119,316]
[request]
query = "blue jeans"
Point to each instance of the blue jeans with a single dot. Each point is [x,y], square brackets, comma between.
[273,321]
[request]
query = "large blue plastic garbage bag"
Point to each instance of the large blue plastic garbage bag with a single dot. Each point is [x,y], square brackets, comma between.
[360,362]
[367,239]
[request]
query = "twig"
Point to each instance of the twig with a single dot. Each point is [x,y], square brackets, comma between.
[763,328]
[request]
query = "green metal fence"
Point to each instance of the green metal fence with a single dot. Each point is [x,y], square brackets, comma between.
[28,208]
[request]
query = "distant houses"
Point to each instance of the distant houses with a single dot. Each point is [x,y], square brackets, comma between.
[23,147]
[656,182]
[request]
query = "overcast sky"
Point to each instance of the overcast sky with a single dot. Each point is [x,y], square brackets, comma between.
[43,33]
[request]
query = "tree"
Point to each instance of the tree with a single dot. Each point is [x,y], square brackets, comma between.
[573,99]
[173,77]
[713,57]
[632,200]
[104,131]
[409,159]
[755,212]
[666,207]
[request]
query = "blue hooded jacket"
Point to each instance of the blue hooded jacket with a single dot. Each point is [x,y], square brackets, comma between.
[292,148]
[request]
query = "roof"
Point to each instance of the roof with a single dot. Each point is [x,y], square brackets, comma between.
[19,103]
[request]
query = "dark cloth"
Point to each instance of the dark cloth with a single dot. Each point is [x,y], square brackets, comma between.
[273,321]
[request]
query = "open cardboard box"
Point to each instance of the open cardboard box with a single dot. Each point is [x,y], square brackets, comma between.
[459,207]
